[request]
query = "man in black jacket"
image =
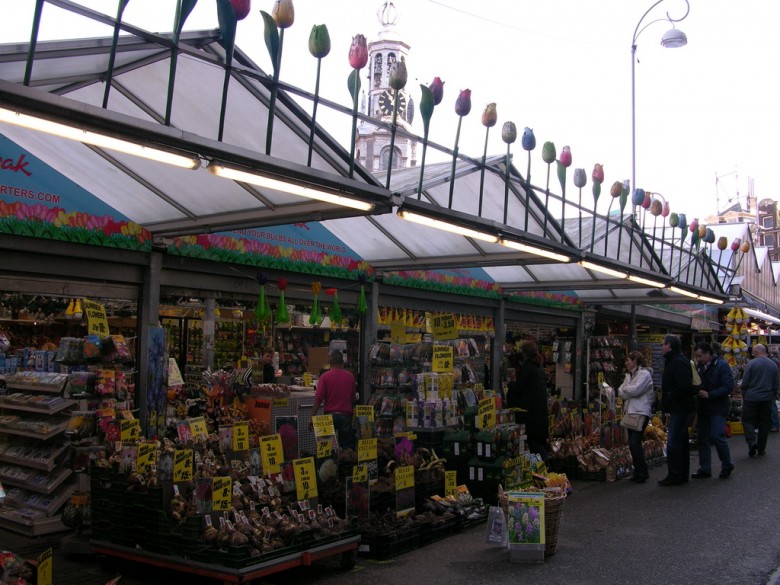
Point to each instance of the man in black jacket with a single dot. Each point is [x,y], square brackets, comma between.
[677,401]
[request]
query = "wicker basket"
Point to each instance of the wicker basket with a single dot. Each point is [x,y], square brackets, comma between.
[554,499]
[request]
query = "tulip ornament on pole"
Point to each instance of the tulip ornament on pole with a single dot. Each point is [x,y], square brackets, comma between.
[665,211]
[508,135]
[335,309]
[282,314]
[319,47]
[580,180]
[625,189]
[615,192]
[682,223]
[723,243]
[743,247]
[228,13]
[548,155]
[693,227]
[598,178]
[637,198]
[489,119]
[563,163]
[263,313]
[656,208]
[358,57]
[397,82]
[282,16]
[431,97]
[528,142]
[709,239]
[462,108]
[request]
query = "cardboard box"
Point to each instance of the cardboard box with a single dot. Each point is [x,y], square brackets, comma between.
[318,359]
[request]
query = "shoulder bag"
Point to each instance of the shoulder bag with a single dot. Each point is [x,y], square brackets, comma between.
[633,421]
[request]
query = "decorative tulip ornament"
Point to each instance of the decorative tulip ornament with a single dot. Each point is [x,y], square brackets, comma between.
[743,247]
[228,13]
[614,192]
[462,108]
[183,10]
[709,239]
[282,314]
[580,180]
[665,211]
[358,57]
[335,309]
[319,47]
[362,304]
[625,189]
[431,97]
[528,142]
[563,163]
[508,135]
[398,76]
[598,179]
[282,16]
[637,198]
[656,207]
[315,317]
[263,313]
[489,119]
[548,155]
[682,223]
[723,243]
[693,227]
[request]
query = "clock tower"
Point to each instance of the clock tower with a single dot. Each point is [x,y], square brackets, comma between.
[373,142]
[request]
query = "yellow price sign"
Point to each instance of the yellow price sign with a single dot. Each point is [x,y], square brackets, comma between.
[220,495]
[323,425]
[280,402]
[486,418]
[324,447]
[360,473]
[45,567]
[450,483]
[305,479]
[271,453]
[445,326]
[404,477]
[367,449]
[307,379]
[398,332]
[198,428]
[130,430]
[183,465]
[147,457]
[366,411]
[241,436]
[443,359]
[97,323]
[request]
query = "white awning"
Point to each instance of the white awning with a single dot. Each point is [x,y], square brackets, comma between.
[761,315]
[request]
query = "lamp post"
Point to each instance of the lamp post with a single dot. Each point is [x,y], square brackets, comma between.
[672,39]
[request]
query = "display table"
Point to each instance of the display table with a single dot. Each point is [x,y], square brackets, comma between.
[346,548]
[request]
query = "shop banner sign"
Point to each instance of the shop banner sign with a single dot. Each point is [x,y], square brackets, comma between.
[486,418]
[97,322]
[445,326]
[443,360]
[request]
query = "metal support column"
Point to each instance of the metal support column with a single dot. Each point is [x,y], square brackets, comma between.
[497,347]
[149,316]
[368,323]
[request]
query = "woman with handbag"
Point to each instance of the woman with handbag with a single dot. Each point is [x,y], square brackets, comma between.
[638,396]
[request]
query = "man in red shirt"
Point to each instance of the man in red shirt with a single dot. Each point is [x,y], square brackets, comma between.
[336,394]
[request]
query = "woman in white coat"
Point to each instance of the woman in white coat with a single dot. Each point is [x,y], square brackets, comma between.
[638,397]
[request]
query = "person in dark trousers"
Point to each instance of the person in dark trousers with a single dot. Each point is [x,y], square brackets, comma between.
[638,396]
[760,384]
[717,384]
[269,372]
[529,392]
[676,401]
[336,395]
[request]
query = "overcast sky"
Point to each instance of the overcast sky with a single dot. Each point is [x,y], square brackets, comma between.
[561,67]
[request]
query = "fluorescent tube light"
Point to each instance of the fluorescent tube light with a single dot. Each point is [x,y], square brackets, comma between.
[446,226]
[604,269]
[534,250]
[712,300]
[99,140]
[291,188]
[646,281]
[682,291]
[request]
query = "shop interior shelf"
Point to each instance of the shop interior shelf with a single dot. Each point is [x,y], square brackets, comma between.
[45,461]
[56,407]
[52,480]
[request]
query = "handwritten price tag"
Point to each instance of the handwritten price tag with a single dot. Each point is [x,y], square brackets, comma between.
[360,473]
[271,453]
[486,418]
[97,323]
[404,477]
[241,436]
[220,495]
[305,479]
[198,428]
[324,447]
[443,358]
[45,568]
[147,456]
[445,326]
[323,425]
[182,465]
[450,483]
[367,449]
[366,411]
[130,430]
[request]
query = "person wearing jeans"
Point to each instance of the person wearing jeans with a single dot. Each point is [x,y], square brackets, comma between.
[677,401]
[760,384]
[638,396]
[717,384]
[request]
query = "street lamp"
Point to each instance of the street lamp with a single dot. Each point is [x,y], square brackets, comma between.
[672,39]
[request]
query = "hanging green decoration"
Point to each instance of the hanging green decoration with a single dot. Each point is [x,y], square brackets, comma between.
[282,316]
[315,317]
[262,309]
[335,310]
[362,305]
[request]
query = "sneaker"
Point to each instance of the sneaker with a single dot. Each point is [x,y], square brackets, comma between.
[701,475]
[726,472]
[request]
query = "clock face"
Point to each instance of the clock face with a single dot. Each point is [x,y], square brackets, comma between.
[386,101]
